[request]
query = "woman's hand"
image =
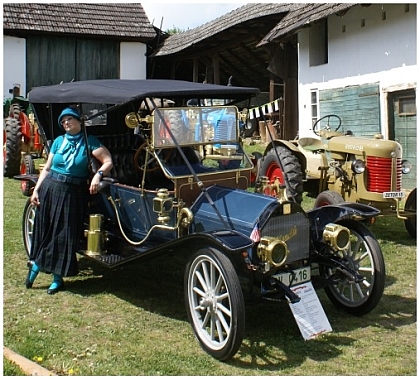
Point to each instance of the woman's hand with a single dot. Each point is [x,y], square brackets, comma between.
[94,183]
[34,198]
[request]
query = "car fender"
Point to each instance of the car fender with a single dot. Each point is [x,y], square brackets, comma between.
[32,178]
[231,243]
[228,240]
[321,216]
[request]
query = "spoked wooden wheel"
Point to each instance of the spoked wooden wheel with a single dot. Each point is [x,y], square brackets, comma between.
[215,303]
[364,256]
[28,225]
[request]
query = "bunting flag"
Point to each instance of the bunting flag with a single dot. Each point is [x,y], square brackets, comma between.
[265,109]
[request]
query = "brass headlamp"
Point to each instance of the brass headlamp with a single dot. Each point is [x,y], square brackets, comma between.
[338,237]
[273,251]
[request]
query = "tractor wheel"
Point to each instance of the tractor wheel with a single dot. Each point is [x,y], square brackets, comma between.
[15,111]
[256,161]
[178,127]
[271,169]
[12,148]
[327,198]
[411,206]
[27,167]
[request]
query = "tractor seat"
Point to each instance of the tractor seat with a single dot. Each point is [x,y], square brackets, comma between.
[312,144]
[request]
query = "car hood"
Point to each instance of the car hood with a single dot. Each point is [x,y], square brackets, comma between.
[241,210]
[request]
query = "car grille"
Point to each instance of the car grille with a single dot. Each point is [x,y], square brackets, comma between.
[294,230]
[379,174]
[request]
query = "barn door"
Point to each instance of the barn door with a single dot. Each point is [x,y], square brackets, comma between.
[403,128]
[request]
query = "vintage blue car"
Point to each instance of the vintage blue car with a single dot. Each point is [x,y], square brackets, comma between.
[182,181]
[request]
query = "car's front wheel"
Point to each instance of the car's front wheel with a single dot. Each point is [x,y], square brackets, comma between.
[215,303]
[364,256]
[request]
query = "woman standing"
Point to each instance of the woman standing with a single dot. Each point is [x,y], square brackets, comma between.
[61,196]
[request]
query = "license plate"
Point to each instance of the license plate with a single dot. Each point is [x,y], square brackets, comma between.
[294,277]
[393,194]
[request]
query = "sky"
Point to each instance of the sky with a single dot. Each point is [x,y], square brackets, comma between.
[186,15]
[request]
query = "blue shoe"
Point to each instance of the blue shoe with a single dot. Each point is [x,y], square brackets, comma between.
[56,286]
[32,273]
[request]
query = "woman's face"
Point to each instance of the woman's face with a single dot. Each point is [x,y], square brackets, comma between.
[71,125]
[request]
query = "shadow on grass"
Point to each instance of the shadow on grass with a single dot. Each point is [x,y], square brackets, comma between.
[277,329]
[157,286]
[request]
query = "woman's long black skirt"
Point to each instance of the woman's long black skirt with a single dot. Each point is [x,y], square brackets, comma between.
[58,226]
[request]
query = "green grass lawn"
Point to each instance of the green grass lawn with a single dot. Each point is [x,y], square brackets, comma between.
[132,320]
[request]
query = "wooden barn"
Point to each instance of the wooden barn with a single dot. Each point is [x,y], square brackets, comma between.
[358,61]
[51,43]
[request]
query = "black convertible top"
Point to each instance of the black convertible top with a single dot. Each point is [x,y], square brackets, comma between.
[116,91]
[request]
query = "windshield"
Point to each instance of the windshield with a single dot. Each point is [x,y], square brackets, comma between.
[195,125]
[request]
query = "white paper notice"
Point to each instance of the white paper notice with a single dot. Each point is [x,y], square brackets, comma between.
[308,312]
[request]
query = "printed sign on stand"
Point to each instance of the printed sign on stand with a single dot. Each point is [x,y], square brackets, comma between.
[308,312]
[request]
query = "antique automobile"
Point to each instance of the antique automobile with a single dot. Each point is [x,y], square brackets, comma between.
[181,184]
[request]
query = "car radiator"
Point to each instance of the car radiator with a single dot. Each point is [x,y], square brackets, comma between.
[294,230]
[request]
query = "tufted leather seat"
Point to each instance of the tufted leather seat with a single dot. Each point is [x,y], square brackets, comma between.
[123,149]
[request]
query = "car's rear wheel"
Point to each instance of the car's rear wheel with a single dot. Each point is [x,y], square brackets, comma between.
[364,256]
[28,225]
[215,303]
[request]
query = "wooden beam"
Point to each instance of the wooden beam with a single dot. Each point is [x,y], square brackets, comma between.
[195,70]
[216,68]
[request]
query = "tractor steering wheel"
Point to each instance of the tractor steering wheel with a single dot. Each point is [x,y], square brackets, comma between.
[317,126]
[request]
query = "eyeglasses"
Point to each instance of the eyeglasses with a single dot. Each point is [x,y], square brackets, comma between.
[68,120]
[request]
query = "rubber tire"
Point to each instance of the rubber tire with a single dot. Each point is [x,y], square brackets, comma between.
[327,198]
[256,160]
[233,301]
[411,205]
[177,125]
[27,167]
[28,225]
[12,149]
[270,168]
[373,294]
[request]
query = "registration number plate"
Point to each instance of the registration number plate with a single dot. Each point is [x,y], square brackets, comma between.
[294,277]
[393,194]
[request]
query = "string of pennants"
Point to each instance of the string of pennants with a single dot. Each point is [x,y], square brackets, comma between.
[265,109]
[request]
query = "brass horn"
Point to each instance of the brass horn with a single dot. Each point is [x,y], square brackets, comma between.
[132,120]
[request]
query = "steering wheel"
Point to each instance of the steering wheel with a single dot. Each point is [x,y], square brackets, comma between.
[317,126]
[151,165]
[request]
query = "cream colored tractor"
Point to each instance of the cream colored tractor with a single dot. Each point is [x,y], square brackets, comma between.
[340,167]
